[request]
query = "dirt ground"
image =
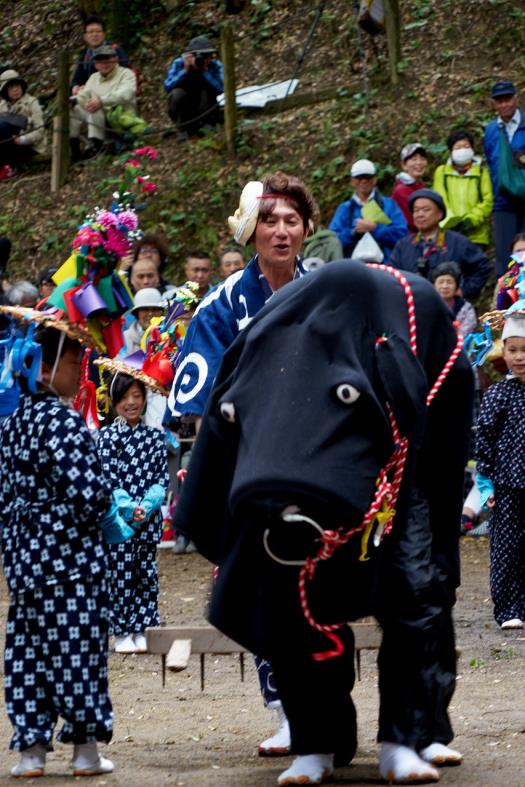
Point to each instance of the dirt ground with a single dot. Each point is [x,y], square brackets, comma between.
[182,736]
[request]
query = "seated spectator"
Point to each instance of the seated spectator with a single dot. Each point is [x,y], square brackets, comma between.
[414,162]
[148,303]
[111,86]
[144,273]
[231,260]
[45,283]
[348,222]
[447,279]
[431,245]
[22,293]
[94,36]
[464,183]
[193,82]
[154,247]
[22,132]
[199,268]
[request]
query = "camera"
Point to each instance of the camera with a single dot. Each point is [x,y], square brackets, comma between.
[201,58]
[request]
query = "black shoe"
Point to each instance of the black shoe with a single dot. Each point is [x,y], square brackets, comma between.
[74,147]
[93,147]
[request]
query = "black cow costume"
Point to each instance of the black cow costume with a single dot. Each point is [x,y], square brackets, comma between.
[283,427]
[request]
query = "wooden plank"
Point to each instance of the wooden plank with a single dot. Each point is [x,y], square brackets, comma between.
[207,639]
[292,101]
[179,655]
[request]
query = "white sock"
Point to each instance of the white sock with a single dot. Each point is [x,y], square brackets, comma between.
[439,754]
[278,744]
[308,769]
[401,765]
[32,761]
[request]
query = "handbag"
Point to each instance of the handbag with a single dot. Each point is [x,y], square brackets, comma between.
[511,168]
[367,249]
[18,122]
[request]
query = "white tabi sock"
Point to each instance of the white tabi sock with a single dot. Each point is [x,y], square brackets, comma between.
[308,769]
[401,765]
[439,754]
[88,762]
[32,761]
[279,744]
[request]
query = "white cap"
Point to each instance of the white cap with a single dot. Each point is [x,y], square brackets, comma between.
[514,326]
[362,167]
[148,298]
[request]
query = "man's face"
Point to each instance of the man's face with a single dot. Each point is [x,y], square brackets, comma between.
[415,166]
[199,271]
[94,35]
[426,215]
[280,237]
[231,261]
[364,185]
[144,274]
[105,65]
[505,106]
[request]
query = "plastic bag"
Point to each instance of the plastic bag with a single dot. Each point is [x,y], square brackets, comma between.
[367,249]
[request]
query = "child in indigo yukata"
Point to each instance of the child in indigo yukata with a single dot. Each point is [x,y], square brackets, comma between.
[134,458]
[53,499]
[501,478]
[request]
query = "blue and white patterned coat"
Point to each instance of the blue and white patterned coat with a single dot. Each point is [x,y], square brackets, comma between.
[221,315]
[52,495]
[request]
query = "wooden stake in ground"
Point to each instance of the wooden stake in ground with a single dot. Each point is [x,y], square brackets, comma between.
[230,109]
[60,143]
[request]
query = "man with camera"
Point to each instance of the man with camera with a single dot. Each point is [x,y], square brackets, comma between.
[193,82]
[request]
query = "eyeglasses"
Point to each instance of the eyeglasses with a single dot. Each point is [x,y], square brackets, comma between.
[363,177]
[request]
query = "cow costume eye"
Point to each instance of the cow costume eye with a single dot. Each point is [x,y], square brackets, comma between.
[228,412]
[347,393]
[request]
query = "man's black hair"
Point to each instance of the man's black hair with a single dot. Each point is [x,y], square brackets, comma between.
[458,134]
[199,254]
[94,19]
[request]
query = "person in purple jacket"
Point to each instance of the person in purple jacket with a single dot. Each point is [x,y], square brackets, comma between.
[350,225]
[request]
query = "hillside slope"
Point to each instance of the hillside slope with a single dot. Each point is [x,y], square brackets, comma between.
[452,51]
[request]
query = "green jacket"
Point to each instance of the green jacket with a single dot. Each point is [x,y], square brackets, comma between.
[468,199]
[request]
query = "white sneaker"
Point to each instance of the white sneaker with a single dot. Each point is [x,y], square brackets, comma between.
[279,744]
[88,762]
[514,623]
[32,762]
[125,644]
[141,645]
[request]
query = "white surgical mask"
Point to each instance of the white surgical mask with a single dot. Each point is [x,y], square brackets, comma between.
[462,156]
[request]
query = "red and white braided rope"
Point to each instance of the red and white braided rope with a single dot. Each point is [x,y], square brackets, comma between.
[387,491]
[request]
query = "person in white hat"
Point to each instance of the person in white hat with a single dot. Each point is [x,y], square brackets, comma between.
[500,454]
[349,223]
[148,303]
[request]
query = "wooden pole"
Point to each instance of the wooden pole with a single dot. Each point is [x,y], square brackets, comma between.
[393,35]
[60,144]
[230,109]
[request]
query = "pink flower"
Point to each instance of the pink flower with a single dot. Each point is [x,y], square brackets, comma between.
[116,243]
[132,162]
[87,236]
[148,151]
[107,219]
[128,219]
[149,188]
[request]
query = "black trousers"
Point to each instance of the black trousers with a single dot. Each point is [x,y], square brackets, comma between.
[11,153]
[193,103]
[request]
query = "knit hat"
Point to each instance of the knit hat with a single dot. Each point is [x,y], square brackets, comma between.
[436,198]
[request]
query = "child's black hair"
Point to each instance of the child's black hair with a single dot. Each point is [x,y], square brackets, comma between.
[49,340]
[120,385]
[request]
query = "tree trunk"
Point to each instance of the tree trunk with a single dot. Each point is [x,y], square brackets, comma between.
[393,35]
